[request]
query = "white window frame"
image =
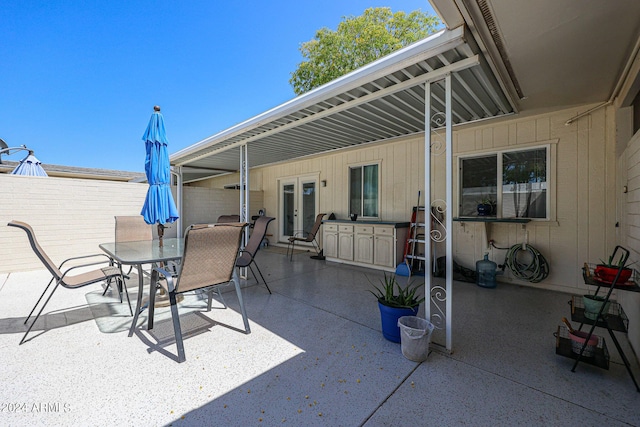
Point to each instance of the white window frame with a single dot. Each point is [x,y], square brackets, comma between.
[551,147]
[379,204]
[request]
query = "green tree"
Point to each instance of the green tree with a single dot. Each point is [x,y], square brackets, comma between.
[358,41]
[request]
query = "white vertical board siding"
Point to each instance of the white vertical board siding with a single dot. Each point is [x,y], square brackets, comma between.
[583,199]
[629,164]
[584,229]
[401,176]
[589,129]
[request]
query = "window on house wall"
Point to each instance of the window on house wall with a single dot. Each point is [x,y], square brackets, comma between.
[364,190]
[513,182]
[479,183]
[636,113]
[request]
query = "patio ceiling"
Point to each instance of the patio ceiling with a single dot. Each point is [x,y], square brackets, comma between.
[552,54]
[382,100]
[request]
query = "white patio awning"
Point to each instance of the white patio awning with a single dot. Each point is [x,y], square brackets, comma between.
[382,100]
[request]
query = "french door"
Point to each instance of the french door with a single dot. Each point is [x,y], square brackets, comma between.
[298,205]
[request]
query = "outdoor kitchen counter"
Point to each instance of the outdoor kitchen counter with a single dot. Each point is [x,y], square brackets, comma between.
[367,222]
[368,243]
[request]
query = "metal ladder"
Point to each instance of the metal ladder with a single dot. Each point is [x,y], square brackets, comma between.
[415,238]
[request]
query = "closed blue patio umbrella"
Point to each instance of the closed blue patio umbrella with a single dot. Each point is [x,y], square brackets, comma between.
[30,166]
[159,207]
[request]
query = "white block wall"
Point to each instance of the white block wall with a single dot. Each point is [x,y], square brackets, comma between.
[71,217]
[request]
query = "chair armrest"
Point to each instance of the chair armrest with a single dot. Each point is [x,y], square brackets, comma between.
[109,259]
[64,274]
[248,253]
[168,276]
[174,266]
[165,273]
[300,233]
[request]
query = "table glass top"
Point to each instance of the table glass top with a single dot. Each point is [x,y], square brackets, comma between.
[144,252]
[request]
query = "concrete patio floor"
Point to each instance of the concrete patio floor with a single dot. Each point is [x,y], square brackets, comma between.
[315,356]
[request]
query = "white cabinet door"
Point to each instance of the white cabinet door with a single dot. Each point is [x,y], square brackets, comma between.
[345,242]
[384,251]
[385,247]
[363,244]
[363,249]
[330,240]
[345,246]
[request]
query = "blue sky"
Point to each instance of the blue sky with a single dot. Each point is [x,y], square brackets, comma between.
[79,79]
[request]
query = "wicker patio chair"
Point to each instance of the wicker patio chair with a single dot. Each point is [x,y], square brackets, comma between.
[63,278]
[306,236]
[248,254]
[210,254]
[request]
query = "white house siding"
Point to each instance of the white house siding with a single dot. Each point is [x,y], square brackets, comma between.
[583,189]
[401,176]
[629,164]
[584,200]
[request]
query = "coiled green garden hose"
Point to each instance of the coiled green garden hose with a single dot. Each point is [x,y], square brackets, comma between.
[534,271]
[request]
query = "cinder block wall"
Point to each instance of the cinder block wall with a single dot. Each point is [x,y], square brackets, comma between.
[205,205]
[72,217]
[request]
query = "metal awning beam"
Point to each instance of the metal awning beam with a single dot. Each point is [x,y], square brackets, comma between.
[430,76]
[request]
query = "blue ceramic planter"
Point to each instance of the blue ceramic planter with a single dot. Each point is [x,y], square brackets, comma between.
[484,209]
[390,316]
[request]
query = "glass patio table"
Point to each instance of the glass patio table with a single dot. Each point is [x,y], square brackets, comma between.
[143,252]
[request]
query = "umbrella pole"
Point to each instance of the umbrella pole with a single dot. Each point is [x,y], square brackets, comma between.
[162,299]
[160,233]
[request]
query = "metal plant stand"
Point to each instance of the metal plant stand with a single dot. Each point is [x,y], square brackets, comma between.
[610,317]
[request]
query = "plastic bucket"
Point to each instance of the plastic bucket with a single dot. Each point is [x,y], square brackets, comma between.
[415,336]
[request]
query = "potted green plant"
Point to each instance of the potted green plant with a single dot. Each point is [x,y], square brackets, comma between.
[607,271]
[394,301]
[486,207]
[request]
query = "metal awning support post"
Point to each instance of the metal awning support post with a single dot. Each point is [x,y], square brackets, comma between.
[428,277]
[177,172]
[244,197]
[436,294]
[244,184]
[449,204]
